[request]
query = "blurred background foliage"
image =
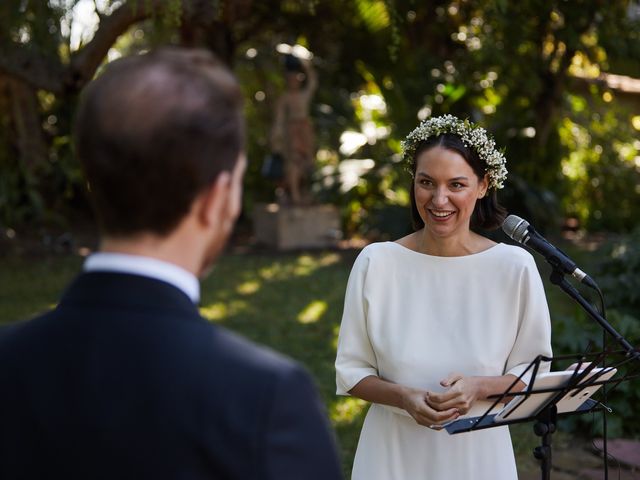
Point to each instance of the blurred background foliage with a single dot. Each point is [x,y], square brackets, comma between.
[556,82]
[615,266]
[552,80]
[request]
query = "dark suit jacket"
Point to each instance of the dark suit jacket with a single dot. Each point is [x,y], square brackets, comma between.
[124,379]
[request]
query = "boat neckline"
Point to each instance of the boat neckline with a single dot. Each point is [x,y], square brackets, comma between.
[482,252]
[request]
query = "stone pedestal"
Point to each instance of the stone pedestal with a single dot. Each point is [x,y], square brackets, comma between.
[295,227]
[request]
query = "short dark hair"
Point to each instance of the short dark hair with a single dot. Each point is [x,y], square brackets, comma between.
[152,132]
[488,214]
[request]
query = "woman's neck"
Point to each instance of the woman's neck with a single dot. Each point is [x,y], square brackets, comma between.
[453,246]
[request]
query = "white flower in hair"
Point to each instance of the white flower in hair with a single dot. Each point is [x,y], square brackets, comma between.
[472,135]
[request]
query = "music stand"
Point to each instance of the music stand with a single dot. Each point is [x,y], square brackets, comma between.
[545,412]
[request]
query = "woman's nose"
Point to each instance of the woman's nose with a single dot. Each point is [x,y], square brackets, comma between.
[440,197]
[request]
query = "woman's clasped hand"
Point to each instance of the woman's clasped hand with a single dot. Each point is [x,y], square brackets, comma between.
[434,409]
[460,394]
[417,404]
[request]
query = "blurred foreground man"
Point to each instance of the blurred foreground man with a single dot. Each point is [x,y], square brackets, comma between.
[124,378]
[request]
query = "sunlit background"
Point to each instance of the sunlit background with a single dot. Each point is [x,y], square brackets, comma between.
[557,83]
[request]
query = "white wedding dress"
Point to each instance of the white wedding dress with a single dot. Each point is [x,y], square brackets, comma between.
[413,319]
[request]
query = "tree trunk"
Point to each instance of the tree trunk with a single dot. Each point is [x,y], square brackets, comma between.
[25,119]
[550,98]
[204,25]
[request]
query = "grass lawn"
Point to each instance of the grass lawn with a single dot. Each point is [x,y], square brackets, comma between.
[291,302]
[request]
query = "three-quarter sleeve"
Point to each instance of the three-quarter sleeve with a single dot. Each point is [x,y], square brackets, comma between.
[355,359]
[534,324]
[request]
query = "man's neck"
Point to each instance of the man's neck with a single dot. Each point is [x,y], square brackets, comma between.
[166,249]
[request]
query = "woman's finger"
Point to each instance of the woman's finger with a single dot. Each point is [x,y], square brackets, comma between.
[438,398]
[451,379]
[452,403]
[433,417]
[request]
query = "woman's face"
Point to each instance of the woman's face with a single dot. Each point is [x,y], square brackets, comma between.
[446,190]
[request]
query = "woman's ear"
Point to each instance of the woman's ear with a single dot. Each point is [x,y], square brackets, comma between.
[483,186]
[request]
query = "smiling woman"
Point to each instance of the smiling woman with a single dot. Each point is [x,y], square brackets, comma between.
[445,193]
[465,152]
[441,318]
[456,172]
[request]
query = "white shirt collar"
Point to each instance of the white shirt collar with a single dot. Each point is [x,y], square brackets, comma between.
[147,267]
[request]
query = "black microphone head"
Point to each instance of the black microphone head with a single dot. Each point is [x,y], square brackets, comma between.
[515,227]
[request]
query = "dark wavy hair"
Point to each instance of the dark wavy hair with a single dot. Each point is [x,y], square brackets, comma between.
[488,214]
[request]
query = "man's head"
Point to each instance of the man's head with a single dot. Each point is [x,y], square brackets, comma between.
[153,133]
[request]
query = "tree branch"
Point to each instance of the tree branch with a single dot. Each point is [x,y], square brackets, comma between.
[39,71]
[86,61]
[48,73]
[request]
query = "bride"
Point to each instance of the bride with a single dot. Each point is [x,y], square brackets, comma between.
[440,319]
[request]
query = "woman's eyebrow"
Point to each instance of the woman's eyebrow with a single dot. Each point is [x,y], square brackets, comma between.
[422,174]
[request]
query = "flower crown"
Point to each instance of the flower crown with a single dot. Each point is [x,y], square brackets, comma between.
[472,135]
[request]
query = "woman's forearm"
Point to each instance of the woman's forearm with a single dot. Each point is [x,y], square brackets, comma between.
[375,389]
[462,392]
[498,385]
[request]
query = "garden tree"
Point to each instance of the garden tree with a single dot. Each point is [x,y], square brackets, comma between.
[40,76]
[512,65]
[552,40]
[555,42]
[507,64]
[38,71]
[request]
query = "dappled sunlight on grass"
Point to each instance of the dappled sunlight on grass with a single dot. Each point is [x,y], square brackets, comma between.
[271,272]
[328,259]
[215,312]
[347,410]
[248,287]
[304,266]
[219,311]
[312,312]
[336,333]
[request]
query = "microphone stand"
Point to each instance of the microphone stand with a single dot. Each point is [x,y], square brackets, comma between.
[546,423]
[557,278]
[544,428]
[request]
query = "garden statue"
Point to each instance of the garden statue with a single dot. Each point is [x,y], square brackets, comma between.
[292,134]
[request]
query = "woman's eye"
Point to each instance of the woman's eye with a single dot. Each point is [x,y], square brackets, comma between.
[457,185]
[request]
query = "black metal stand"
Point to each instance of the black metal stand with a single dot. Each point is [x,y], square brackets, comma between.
[557,278]
[545,427]
[546,419]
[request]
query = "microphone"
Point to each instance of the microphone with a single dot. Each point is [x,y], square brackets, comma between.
[520,231]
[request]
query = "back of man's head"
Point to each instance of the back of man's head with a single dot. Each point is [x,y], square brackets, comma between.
[152,132]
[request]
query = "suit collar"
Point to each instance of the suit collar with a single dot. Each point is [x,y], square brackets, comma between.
[114,289]
[146,266]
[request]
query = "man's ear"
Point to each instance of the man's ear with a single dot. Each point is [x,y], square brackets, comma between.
[212,202]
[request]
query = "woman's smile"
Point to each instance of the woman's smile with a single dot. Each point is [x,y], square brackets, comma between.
[441,215]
